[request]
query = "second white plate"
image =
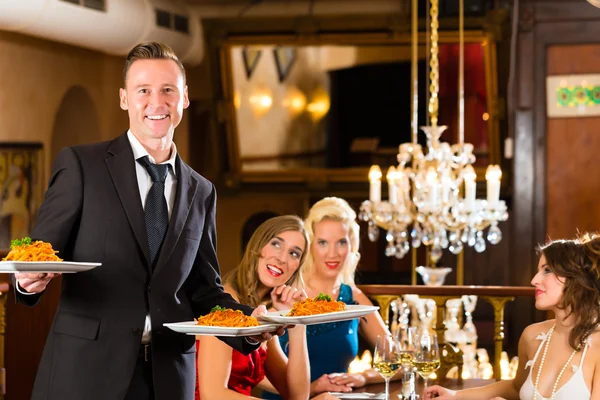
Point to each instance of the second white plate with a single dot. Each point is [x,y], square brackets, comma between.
[351,312]
[192,328]
[46,266]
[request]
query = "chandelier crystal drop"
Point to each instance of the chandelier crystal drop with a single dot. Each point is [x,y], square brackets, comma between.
[432,194]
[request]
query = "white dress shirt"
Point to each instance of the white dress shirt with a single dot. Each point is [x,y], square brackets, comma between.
[145,183]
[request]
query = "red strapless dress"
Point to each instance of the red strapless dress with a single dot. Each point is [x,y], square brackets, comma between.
[246,371]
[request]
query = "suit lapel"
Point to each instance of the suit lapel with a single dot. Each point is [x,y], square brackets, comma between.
[184,198]
[121,167]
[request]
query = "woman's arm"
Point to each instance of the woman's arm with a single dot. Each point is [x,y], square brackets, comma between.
[290,375]
[214,367]
[596,381]
[508,389]
[266,385]
[371,325]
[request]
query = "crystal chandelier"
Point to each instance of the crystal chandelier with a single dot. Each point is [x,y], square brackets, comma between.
[432,195]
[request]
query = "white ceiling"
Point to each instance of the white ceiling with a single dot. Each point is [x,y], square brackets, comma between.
[224,2]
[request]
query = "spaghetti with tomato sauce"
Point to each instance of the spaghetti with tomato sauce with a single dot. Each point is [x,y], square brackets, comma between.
[27,250]
[226,317]
[321,304]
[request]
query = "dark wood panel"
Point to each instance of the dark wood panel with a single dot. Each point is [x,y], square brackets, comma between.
[525,89]
[573,186]
[574,59]
[26,331]
[565,10]
[549,24]
[571,35]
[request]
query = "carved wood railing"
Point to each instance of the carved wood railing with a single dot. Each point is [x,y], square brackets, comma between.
[497,296]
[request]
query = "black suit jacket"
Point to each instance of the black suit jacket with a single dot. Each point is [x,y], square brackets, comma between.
[92,211]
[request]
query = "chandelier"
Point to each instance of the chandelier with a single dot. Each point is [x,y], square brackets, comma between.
[432,194]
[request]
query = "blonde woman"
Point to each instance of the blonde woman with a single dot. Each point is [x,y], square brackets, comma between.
[330,267]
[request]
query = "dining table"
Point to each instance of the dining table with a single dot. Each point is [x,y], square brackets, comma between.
[377,390]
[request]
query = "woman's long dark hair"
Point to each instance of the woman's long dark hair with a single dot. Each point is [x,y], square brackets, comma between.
[578,261]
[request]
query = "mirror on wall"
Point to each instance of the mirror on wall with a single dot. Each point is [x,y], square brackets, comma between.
[297,111]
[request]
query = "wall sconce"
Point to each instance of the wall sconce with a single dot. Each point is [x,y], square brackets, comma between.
[237,100]
[294,101]
[319,104]
[261,100]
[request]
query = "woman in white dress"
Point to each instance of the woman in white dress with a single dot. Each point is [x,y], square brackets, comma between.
[559,359]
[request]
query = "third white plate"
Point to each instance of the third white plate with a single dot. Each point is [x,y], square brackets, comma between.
[351,312]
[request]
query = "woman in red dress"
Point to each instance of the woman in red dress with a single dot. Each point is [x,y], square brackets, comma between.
[267,274]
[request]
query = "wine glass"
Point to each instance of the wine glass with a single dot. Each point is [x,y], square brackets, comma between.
[407,346]
[427,357]
[386,359]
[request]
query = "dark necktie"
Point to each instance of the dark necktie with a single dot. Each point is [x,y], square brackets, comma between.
[155,210]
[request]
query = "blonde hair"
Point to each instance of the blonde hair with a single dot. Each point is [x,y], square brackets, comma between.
[244,278]
[334,209]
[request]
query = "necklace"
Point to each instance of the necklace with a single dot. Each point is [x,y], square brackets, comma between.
[537,378]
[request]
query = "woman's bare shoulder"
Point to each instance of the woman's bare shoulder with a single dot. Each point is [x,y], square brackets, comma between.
[594,340]
[360,297]
[533,331]
[356,291]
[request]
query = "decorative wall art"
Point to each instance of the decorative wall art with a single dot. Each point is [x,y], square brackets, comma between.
[284,60]
[251,56]
[21,170]
[573,96]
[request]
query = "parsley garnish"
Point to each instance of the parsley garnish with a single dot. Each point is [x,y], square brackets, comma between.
[217,308]
[20,242]
[323,297]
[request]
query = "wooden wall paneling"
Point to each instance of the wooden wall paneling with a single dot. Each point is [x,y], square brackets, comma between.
[561,10]
[522,254]
[571,23]
[541,24]
[571,33]
[26,332]
[572,186]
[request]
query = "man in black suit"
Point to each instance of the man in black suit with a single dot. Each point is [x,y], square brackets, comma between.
[153,232]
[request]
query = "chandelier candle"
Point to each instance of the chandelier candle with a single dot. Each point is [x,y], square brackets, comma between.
[492,176]
[375,184]
[469,176]
[392,185]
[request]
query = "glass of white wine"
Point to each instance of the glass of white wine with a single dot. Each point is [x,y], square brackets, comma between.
[407,346]
[386,359]
[427,357]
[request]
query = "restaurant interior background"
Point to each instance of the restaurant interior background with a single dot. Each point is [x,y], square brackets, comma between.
[55,93]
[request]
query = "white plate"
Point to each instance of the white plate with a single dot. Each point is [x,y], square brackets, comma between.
[364,395]
[46,266]
[351,312]
[192,328]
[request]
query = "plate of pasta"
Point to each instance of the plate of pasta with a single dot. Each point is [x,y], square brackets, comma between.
[30,267]
[318,310]
[192,328]
[37,256]
[223,322]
